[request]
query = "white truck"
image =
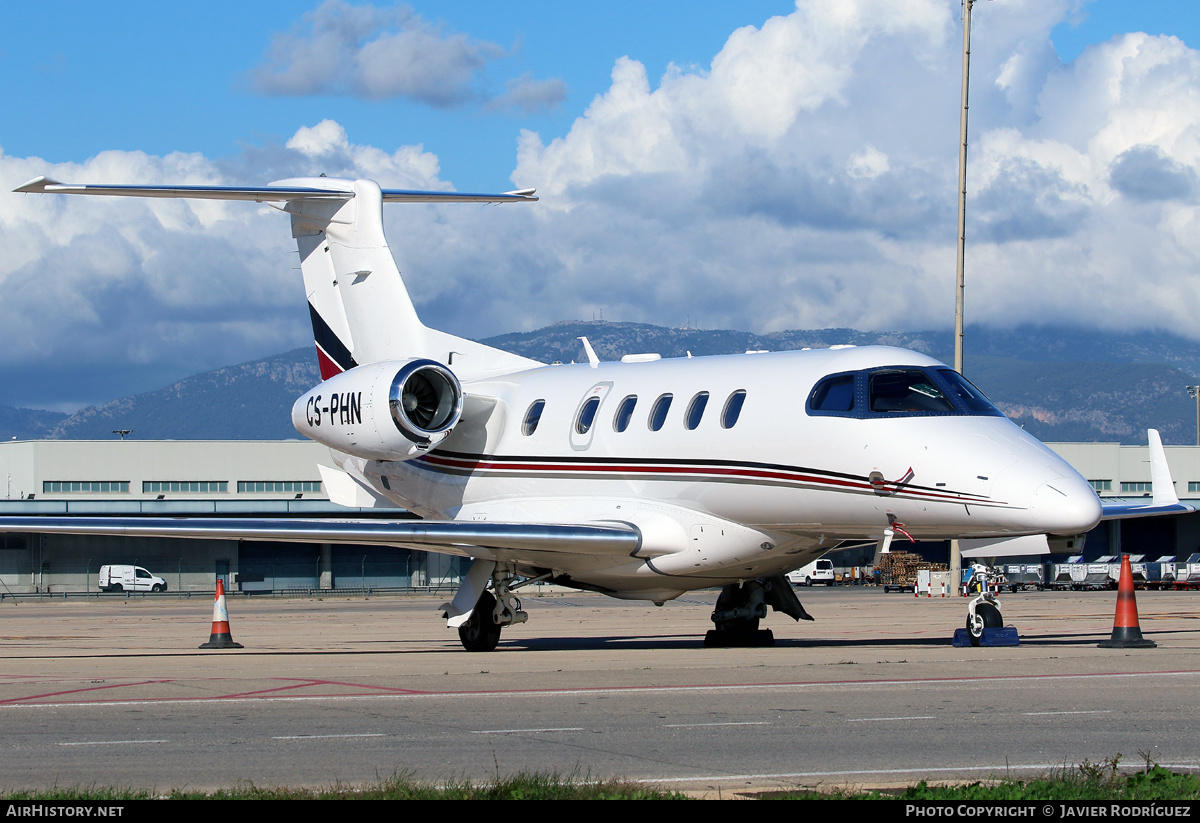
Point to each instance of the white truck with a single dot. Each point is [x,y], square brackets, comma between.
[818,571]
[118,578]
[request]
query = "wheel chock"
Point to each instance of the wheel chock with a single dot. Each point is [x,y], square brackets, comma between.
[759,638]
[1003,636]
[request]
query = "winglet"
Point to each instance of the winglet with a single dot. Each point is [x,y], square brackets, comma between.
[1162,484]
[1163,498]
[37,184]
[593,360]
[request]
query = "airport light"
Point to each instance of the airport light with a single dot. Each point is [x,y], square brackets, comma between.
[960,278]
[1194,393]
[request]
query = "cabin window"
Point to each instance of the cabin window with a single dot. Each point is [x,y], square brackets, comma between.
[695,411]
[587,414]
[658,414]
[533,417]
[733,409]
[624,413]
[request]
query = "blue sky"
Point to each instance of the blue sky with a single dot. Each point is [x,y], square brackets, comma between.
[794,174]
[85,77]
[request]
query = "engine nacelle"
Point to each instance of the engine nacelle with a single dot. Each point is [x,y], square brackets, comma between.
[395,410]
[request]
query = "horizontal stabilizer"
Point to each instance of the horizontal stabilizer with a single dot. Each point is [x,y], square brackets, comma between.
[280,191]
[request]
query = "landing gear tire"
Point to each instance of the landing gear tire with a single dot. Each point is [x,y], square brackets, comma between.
[480,633]
[738,632]
[986,616]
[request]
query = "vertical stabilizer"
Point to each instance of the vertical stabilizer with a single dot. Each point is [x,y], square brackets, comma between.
[360,308]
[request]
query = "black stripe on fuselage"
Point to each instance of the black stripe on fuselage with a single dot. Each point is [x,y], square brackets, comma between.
[730,471]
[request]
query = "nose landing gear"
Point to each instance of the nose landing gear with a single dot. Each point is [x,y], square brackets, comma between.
[985,625]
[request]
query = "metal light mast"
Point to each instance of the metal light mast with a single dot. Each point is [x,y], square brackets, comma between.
[962,189]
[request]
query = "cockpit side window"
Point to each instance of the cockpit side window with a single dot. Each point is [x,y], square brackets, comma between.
[898,391]
[833,394]
[905,390]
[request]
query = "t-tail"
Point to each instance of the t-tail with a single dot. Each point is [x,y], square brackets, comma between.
[361,311]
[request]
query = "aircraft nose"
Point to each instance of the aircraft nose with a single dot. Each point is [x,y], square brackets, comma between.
[1065,505]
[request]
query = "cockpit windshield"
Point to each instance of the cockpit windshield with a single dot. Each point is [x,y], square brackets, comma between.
[893,391]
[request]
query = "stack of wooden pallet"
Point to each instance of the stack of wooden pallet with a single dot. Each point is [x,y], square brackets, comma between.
[902,567]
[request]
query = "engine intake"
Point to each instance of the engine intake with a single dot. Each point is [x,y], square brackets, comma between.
[395,410]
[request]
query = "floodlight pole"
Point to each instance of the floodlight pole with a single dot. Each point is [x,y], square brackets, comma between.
[960,283]
[1194,393]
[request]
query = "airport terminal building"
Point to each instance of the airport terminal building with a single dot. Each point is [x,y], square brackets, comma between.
[239,478]
[180,478]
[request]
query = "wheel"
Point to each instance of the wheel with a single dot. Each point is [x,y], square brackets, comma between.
[732,597]
[986,616]
[117,587]
[480,633]
[157,587]
[808,581]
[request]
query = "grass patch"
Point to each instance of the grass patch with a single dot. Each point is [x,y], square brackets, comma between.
[399,787]
[1087,782]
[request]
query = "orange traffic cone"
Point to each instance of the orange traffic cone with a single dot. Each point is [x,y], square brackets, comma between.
[220,637]
[1126,633]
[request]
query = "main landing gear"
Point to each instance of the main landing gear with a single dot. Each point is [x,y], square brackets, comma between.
[494,610]
[741,605]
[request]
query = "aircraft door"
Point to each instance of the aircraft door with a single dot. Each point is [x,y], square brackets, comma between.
[587,416]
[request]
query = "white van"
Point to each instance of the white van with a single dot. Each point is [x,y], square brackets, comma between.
[129,579]
[818,571]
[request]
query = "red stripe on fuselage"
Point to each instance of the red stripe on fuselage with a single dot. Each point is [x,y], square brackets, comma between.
[469,465]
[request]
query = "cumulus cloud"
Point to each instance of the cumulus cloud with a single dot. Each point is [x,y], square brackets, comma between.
[116,295]
[526,95]
[806,178]
[1145,173]
[382,53]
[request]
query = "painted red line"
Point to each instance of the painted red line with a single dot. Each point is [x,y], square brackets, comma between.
[310,683]
[644,689]
[78,691]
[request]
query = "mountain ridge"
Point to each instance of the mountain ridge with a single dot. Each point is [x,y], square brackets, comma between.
[1061,384]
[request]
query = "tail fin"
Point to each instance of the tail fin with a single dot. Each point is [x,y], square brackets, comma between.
[360,309]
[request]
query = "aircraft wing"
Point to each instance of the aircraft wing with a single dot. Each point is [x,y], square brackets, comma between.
[498,541]
[1164,500]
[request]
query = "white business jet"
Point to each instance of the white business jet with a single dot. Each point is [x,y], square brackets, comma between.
[641,479]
